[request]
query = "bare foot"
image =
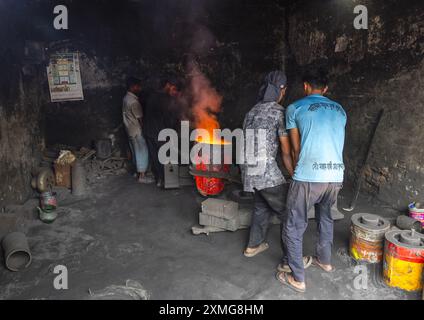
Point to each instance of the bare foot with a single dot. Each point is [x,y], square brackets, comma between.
[142,178]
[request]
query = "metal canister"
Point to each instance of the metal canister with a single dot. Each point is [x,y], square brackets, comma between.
[416,211]
[367,237]
[404,260]
[48,201]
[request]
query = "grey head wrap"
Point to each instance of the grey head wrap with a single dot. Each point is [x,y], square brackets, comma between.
[270,90]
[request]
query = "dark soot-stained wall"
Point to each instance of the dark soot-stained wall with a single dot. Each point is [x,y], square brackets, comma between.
[381,67]
[235,43]
[22,96]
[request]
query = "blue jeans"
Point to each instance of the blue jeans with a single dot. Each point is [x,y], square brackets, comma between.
[139,151]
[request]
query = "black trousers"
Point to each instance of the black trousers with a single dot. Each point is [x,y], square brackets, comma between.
[157,168]
[268,202]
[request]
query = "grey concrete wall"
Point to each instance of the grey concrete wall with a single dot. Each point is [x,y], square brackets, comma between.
[370,69]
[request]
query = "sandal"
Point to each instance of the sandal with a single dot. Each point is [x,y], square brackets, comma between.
[316,263]
[307,261]
[283,277]
[255,251]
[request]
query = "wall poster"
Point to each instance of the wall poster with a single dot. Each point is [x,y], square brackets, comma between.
[64,77]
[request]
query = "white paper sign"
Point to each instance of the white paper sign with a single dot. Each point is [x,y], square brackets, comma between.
[64,77]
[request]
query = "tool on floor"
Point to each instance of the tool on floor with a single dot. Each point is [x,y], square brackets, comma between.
[367,237]
[404,260]
[364,164]
[17,255]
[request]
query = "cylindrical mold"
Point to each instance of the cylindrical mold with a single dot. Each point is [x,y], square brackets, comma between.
[416,211]
[408,223]
[17,255]
[404,260]
[78,179]
[367,237]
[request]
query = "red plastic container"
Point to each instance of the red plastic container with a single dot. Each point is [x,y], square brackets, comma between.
[210,186]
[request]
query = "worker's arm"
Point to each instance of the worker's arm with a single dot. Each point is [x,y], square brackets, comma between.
[138,112]
[295,144]
[286,154]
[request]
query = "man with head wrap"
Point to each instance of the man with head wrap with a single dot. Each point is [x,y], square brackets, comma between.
[261,174]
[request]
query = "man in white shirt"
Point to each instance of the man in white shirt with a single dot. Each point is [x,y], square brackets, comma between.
[132,115]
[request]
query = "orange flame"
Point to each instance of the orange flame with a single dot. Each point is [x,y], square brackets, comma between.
[206,105]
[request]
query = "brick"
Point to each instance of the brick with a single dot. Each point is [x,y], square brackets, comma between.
[220,208]
[227,224]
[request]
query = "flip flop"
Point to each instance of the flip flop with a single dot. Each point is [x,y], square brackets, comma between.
[307,261]
[316,263]
[283,278]
[261,248]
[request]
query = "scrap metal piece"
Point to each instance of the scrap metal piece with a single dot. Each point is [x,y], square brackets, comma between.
[197,230]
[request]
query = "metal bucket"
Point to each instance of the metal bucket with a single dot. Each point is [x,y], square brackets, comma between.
[404,260]
[367,237]
[48,201]
[416,211]
[17,255]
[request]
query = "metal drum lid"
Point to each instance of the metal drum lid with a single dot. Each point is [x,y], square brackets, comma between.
[370,222]
[406,238]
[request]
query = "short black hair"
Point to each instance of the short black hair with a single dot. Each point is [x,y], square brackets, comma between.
[317,78]
[173,80]
[133,81]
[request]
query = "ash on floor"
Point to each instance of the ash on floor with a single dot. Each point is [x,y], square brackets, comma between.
[124,230]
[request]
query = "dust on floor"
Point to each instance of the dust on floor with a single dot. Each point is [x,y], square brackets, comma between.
[134,241]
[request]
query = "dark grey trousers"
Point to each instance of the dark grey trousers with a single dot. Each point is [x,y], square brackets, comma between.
[301,197]
[268,202]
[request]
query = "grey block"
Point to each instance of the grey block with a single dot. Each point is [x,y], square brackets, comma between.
[220,208]
[171,176]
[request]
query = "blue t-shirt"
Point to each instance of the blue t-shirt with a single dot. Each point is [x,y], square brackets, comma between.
[321,123]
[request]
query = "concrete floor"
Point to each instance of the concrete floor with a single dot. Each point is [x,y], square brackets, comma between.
[129,231]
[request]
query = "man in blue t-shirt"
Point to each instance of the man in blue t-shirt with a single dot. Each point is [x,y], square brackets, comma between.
[317,132]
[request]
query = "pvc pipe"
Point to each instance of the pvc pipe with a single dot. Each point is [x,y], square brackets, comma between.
[17,255]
